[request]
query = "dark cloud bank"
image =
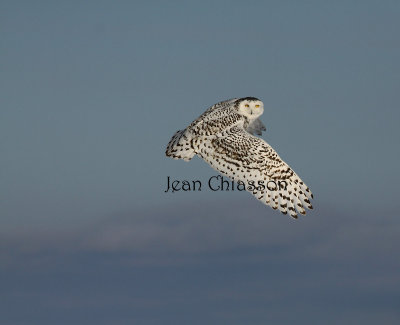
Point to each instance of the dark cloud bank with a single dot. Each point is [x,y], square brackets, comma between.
[210,263]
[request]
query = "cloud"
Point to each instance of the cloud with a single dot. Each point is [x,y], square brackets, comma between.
[228,265]
[212,228]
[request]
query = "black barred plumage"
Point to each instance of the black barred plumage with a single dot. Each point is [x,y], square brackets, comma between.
[223,137]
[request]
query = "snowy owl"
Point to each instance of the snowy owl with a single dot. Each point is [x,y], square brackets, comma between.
[224,137]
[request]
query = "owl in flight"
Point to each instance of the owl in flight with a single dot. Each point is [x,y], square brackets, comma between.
[224,137]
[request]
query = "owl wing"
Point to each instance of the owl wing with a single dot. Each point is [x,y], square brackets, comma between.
[256,127]
[213,112]
[252,162]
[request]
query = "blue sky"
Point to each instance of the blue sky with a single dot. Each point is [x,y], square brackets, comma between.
[91,94]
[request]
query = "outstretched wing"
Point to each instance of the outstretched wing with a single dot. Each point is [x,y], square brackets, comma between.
[250,160]
[214,112]
[256,127]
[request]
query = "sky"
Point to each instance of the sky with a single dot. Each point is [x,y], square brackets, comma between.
[91,93]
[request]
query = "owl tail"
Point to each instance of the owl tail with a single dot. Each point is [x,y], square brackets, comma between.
[180,147]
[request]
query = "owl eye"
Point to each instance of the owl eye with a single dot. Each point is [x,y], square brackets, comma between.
[246,105]
[257,106]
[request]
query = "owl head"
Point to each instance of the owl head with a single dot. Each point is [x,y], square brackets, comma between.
[250,107]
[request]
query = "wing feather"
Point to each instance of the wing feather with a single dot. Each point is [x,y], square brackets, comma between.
[212,113]
[256,127]
[246,158]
